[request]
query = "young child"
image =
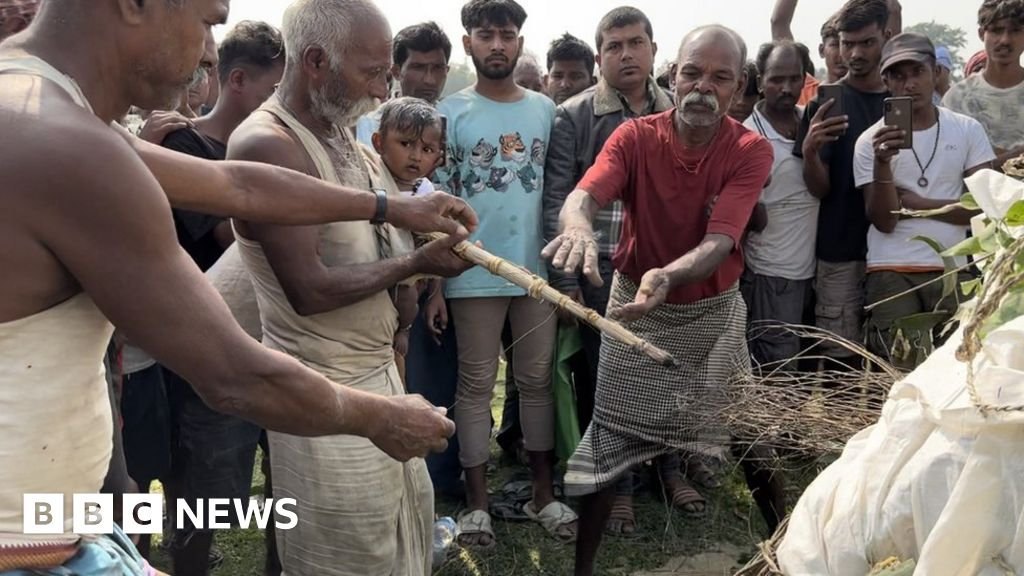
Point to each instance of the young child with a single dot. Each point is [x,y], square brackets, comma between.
[410,144]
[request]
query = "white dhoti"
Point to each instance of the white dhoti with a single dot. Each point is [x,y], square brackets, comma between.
[359,512]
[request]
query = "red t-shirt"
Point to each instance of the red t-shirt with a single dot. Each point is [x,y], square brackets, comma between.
[666,207]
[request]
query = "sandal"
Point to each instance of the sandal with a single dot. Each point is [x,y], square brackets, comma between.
[702,474]
[684,498]
[622,521]
[557,518]
[476,523]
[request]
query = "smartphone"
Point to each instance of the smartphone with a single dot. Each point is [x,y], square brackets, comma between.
[834,92]
[899,112]
[443,161]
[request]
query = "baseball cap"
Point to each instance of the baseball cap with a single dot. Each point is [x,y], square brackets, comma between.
[907,47]
[943,57]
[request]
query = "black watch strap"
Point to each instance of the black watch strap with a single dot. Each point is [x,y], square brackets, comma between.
[382,207]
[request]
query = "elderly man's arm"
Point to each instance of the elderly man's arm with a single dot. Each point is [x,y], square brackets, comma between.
[559,181]
[311,286]
[112,231]
[696,265]
[265,193]
[604,183]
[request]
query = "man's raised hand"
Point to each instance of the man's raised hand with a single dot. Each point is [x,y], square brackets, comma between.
[575,246]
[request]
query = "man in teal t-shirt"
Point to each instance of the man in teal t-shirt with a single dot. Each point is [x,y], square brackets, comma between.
[497,142]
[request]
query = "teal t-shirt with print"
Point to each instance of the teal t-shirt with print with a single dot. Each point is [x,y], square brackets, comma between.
[496,153]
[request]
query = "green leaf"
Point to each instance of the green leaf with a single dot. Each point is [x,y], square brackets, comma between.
[949,279]
[1015,215]
[913,340]
[987,238]
[969,247]
[968,202]
[1011,307]
[971,287]
[921,322]
[1003,237]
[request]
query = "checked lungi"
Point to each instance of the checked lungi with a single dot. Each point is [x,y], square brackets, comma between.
[643,410]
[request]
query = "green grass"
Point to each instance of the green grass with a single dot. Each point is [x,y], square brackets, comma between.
[731,524]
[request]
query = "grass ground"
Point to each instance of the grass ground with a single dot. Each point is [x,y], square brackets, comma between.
[731,525]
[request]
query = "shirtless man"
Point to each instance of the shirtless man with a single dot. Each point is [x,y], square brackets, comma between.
[86,226]
[324,298]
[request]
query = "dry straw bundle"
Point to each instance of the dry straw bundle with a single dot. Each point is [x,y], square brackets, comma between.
[803,415]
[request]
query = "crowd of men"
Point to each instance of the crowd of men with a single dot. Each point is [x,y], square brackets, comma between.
[255,231]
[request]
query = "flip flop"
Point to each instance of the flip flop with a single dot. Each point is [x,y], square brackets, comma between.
[683,495]
[555,518]
[473,523]
[623,515]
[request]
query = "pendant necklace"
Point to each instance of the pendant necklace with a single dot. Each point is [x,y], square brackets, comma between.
[923,180]
[696,169]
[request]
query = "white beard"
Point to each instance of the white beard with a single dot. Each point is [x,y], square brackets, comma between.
[339,111]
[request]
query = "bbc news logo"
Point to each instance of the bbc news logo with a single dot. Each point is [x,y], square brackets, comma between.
[143,513]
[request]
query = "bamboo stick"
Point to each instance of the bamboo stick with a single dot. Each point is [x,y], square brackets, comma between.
[536,287]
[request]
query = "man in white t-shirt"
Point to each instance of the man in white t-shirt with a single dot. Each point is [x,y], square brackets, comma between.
[780,259]
[947,147]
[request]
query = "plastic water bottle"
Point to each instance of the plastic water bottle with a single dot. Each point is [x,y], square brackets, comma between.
[446,530]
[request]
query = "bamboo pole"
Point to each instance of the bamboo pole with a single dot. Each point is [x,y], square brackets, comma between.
[536,287]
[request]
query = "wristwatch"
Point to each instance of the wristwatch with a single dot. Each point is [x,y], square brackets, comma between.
[382,207]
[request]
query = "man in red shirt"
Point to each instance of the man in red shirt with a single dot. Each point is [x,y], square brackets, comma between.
[688,179]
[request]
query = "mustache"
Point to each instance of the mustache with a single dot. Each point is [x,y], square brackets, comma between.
[696,98]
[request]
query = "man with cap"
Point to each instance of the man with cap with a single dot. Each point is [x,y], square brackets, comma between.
[15,16]
[943,73]
[946,148]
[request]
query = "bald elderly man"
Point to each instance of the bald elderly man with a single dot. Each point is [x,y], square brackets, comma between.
[92,244]
[689,179]
[324,298]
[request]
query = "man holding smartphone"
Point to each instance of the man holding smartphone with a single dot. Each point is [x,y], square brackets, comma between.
[915,160]
[826,142]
